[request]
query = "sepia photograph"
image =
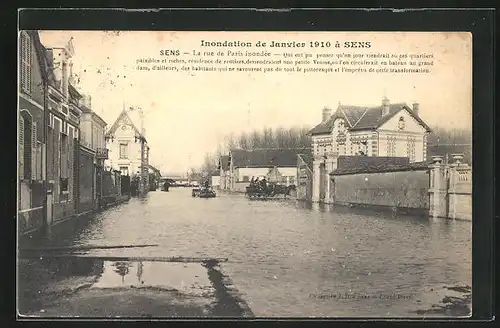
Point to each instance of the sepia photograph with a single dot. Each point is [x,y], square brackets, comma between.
[196,174]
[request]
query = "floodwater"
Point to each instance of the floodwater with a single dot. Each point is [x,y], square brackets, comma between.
[287,259]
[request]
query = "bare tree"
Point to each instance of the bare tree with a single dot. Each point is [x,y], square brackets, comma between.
[256,140]
[267,138]
[244,141]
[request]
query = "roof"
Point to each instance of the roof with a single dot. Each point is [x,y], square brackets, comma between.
[123,117]
[308,159]
[364,118]
[154,169]
[266,157]
[443,149]
[368,164]
[41,54]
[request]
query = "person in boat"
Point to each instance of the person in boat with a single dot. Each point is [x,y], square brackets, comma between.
[263,183]
[252,182]
[207,185]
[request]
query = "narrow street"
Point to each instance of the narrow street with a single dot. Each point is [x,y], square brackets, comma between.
[283,259]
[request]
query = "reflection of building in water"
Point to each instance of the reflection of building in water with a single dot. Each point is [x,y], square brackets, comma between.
[122,268]
[75,266]
[139,273]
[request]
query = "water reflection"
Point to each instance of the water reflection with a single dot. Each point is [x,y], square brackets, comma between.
[122,268]
[281,251]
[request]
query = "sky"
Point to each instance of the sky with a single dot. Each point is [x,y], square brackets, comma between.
[187,114]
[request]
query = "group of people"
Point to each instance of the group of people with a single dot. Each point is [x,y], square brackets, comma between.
[262,183]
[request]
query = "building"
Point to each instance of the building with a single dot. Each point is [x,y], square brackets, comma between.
[389,130]
[92,154]
[62,135]
[154,177]
[31,136]
[125,144]
[304,177]
[276,165]
[224,173]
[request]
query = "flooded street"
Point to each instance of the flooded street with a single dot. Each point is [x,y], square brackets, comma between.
[283,258]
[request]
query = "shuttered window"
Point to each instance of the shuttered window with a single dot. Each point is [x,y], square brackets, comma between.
[56,157]
[33,152]
[26,59]
[21,148]
[50,154]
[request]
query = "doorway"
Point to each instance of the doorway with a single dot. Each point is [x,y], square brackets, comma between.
[322,182]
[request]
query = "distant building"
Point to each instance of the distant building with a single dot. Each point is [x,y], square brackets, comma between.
[389,130]
[124,140]
[224,173]
[93,153]
[276,165]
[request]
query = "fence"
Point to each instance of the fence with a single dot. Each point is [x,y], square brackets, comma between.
[111,187]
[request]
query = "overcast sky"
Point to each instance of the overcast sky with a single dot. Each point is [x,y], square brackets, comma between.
[188,114]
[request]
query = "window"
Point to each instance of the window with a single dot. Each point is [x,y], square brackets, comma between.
[124,170]
[391,146]
[38,161]
[27,147]
[50,154]
[123,151]
[410,149]
[26,58]
[64,156]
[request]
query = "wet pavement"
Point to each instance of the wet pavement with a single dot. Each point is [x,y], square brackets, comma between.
[284,259]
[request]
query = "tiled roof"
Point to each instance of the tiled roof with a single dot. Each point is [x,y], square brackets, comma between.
[363,118]
[368,164]
[266,157]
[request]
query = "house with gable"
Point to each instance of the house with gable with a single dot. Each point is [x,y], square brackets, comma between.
[388,130]
[124,141]
[276,165]
[224,174]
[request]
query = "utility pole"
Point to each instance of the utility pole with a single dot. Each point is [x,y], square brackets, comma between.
[142,183]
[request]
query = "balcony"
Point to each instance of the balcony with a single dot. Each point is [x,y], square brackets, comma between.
[101,153]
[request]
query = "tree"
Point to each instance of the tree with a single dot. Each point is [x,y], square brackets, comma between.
[256,140]
[244,141]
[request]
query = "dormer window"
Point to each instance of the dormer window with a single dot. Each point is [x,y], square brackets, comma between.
[401,123]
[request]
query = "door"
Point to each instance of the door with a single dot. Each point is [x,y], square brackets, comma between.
[49,208]
[332,190]
[322,182]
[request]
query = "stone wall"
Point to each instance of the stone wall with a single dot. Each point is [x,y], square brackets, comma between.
[405,188]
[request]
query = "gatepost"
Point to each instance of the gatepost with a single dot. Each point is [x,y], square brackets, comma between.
[438,188]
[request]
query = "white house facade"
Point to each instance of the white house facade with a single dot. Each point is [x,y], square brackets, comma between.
[276,165]
[389,130]
[123,141]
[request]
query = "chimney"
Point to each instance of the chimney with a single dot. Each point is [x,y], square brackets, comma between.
[326,114]
[71,76]
[385,106]
[415,108]
[87,101]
